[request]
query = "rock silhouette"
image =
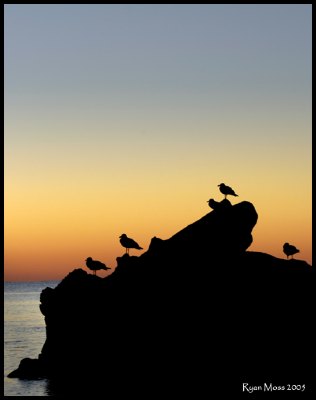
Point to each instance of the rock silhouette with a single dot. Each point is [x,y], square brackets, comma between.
[193,314]
[129,243]
[289,250]
[226,190]
[95,265]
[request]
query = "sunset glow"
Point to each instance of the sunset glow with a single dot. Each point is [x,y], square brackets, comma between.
[127,117]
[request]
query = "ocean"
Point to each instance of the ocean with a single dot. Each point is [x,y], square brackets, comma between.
[24,334]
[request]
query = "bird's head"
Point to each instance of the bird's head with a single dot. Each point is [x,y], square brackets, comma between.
[89,259]
[123,235]
[221,184]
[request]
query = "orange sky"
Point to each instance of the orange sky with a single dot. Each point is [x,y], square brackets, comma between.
[46,238]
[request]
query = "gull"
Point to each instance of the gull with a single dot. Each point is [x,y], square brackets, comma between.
[213,204]
[289,250]
[129,243]
[95,265]
[226,190]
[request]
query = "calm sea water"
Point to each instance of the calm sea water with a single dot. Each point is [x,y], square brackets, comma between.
[24,334]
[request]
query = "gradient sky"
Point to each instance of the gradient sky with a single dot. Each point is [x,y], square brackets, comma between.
[125,118]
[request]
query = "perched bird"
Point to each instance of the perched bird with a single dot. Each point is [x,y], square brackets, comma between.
[129,243]
[289,250]
[213,204]
[219,205]
[226,190]
[95,265]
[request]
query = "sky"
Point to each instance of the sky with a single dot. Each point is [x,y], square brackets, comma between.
[124,118]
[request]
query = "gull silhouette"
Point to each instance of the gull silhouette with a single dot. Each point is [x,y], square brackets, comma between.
[213,204]
[289,250]
[226,190]
[129,243]
[95,265]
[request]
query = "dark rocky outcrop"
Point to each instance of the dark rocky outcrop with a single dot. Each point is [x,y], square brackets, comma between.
[192,313]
